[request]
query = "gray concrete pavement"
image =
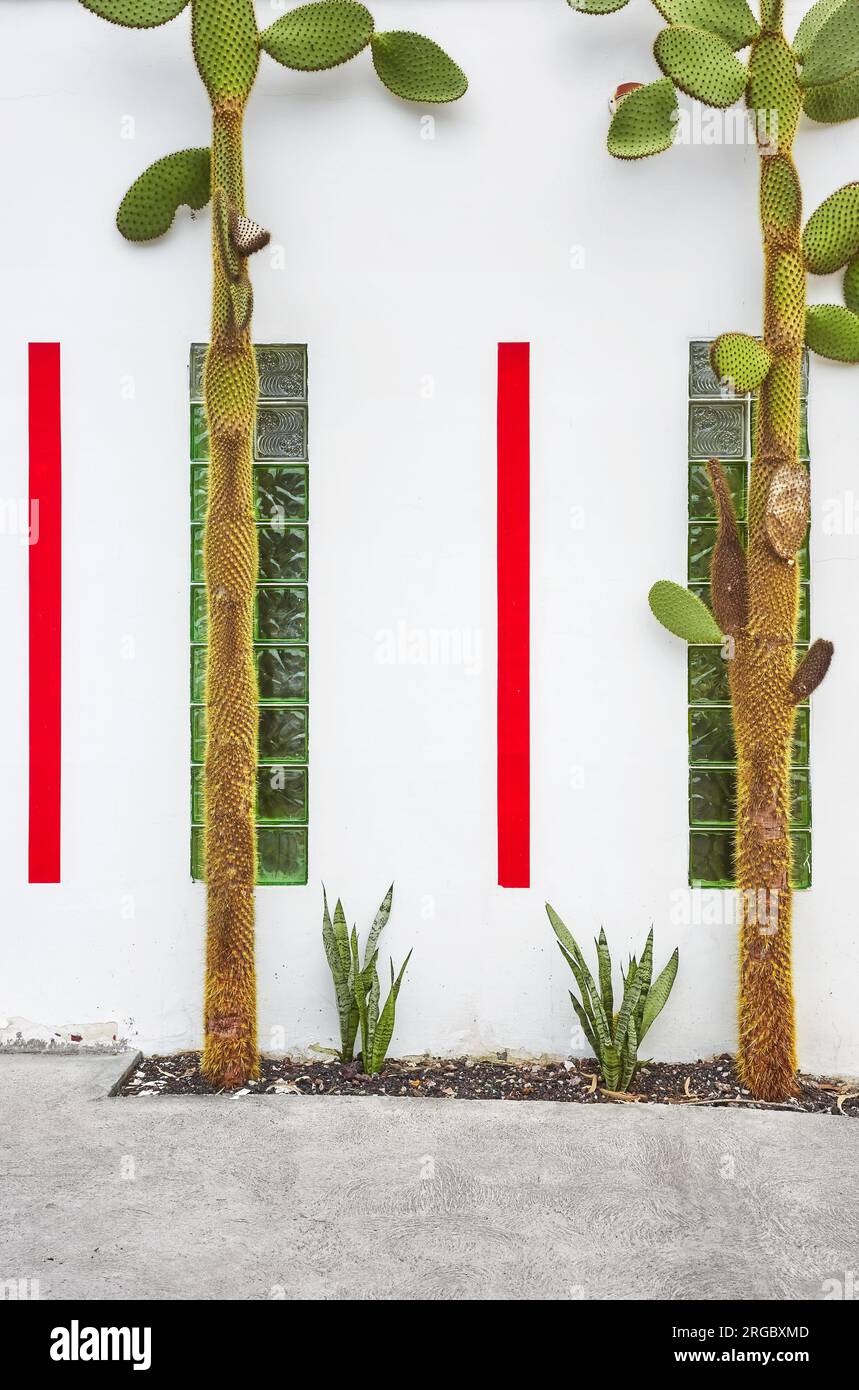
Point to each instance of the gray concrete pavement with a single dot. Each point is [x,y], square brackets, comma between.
[335,1198]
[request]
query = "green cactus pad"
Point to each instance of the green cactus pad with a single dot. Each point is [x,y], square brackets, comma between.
[645,121]
[833,331]
[851,285]
[831,235]
[136,14]
[732,20]
[774,86]
[833,50]
[700,64]
[597,6]
[320,35]
[811,24]
[741,360]
[226,46]
[683,613]
[833,101]
[149,206]
[781,196]
[416,69]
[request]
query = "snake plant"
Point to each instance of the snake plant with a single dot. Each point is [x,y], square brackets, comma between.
[615,1037]
[356,986]
[228,47]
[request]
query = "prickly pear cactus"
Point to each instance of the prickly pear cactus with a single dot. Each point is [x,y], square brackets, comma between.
[227,46]
[755,590]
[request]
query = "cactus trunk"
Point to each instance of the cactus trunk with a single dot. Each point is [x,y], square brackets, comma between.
[763,661]
[230,550]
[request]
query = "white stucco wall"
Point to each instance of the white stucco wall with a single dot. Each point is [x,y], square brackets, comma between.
[405,258]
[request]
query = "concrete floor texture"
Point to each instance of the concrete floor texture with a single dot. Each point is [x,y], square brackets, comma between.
[271,1197]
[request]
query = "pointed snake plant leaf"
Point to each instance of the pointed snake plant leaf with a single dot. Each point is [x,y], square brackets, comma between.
[645,969]
[360,994]
[851,285]
[387,1018]
[151,203]
[380,921]
[630,1055]
[701,64]
[585,1023]
[371,979]
[732,20]
[136,14]
[597,6]
[811,24]
[832,331]
[320,35]
[833,51]
[659,992]
[563,934]
[604,958]
[225,40]
[831,235]
[631,996]
[741,360]
[416,69]
[341,934]
[645,121]
[609,1060]
[683,613]
[833,102]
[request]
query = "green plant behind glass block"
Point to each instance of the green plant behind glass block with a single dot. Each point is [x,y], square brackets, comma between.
[199,435]
[281,855]
[281,492]
[283,553]
[281,795]
[708,676]
[702,506]
[283,734]
[282,673]
[281,613]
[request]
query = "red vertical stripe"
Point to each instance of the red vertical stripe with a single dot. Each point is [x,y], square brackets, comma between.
[45,611]
[514,568]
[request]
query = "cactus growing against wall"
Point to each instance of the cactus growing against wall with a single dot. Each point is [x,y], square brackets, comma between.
[755,590]
[227,46]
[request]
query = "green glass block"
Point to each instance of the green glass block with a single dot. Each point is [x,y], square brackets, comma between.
[198,733]
[281,492]
[283,734]
[282,552]
[717,429]
[197,798]
[711,735]
[801,737]
[199,614]
[199,435]
[198,675]
[803,631]
[701,504]
[711,858]
[282,795]
[281,433]
[199,491]
[282,673]
[801,870]
[282,855]
[713,793]
[702,538]
[197,569]
[282,369]
[198,858]
[195,370]
[708,676]
[281,613]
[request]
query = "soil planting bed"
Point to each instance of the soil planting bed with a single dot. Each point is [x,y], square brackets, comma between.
[712,1082]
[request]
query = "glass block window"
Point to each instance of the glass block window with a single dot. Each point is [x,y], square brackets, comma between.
[281,618]
[722,426]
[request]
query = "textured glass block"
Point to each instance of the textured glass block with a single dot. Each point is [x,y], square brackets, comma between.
[281,432]
[198,733]
[713,793]
[282,855]
[199,435]
[283,734]
[282,372]
[281,614]
[282,673]
[711,735]
[801,871]
[708,676]
[282,552]
[197,568]
[197,799]
[282,795]
[801,737]
[702,538]
[701,504]
[804,624]
[199,614]
[195,370]
[199,491]
[281,493]
[717,430]
[702,379]
[711,858]
[198,674]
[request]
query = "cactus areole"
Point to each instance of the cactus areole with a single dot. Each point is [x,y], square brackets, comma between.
[227,46]
[755,591]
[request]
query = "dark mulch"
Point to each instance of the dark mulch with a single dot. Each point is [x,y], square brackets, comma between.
[689,1083]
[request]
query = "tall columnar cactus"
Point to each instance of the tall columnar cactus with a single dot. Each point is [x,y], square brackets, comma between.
[755,591]
[227,46]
